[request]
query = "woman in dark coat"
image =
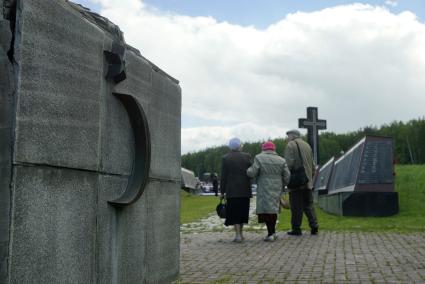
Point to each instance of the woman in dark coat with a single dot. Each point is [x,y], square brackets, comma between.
[235,185]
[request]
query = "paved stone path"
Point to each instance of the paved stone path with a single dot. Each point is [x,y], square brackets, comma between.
[330,257]
[326,258]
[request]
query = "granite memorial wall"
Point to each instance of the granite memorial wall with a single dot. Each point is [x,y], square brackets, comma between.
[360,182]
[323,177]
[89,151]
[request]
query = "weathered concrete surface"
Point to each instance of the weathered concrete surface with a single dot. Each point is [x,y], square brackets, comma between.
[163,235]
[60,60]
[117,141]
[139,251]
[167,114]
[163,113]
[107,226]
[54,225]
[6,124]
[327,258]
[74,151]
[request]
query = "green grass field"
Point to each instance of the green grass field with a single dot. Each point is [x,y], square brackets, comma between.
[194,207]
[410,184]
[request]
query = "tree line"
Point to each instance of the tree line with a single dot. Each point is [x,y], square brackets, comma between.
[409,140]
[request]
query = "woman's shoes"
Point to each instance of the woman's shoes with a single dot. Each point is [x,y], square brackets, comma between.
[270,238]
[238,239]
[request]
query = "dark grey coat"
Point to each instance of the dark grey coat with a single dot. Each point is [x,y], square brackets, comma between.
[234,180]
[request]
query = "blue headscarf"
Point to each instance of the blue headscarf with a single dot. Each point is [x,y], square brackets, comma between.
[235,143]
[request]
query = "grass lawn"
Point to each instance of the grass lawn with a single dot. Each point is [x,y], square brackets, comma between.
[410,184]
[194,207]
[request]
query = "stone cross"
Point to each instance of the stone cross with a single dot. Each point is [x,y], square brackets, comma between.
[313,125]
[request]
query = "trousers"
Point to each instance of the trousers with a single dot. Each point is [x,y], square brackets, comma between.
[301,201]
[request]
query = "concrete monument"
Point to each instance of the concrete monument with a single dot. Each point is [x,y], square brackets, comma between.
[360,182]
[89,151]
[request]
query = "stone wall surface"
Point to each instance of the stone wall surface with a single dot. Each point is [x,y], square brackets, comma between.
[163,255]
[6,108]
[155,93]
[148,240]
[54,225]
[60,73]
[69,150]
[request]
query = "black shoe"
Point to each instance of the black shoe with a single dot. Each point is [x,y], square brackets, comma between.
[294,233]
[314,231]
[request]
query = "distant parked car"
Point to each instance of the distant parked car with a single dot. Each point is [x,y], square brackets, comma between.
[207,187]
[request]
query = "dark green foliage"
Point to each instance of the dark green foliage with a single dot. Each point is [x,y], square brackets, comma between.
[409,146]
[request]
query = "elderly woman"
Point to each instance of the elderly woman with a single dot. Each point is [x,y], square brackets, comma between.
[236,185]
[272,175]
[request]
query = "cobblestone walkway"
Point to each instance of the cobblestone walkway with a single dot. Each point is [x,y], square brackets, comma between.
[326,258]
[330,257]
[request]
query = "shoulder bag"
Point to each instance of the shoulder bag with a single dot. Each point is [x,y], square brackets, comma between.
[298,175]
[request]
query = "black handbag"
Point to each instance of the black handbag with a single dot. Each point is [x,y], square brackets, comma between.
[298,175]
[221,209]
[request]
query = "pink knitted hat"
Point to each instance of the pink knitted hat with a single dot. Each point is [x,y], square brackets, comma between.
[268,146]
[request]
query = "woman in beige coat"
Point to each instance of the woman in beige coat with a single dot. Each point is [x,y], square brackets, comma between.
[272,174]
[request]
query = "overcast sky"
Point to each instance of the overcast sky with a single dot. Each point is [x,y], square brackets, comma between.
[250,68]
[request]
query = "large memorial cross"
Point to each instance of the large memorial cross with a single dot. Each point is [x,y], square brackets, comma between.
[313,125]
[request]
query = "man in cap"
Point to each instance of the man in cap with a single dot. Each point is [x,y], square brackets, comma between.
[298,153]
[236,185]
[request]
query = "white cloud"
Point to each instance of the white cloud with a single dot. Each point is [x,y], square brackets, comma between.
[360,64]
[392,3]
[199,138]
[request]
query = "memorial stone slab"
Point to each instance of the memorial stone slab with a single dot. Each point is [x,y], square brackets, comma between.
[346,169]
[90,141]
[361,182]
[324,176]
[375,167]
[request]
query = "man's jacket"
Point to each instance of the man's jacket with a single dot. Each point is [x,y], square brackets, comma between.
[294,161]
